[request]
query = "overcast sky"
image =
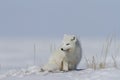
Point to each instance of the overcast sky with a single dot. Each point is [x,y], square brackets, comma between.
[53,18]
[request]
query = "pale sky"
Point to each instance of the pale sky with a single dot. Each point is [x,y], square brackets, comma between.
[53,18]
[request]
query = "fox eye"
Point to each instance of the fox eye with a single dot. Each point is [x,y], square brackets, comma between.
[67,44]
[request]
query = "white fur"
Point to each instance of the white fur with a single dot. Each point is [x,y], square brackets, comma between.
[66,57]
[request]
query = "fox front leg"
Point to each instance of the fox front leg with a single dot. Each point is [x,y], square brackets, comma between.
[65,66]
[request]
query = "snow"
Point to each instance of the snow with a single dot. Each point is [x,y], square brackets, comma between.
[16,61]
[87,74]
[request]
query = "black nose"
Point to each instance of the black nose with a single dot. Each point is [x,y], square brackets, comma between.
[62,49]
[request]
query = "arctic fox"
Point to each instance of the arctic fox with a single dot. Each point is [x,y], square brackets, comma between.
[66,57]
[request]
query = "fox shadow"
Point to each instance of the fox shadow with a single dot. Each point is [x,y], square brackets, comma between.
[79,69]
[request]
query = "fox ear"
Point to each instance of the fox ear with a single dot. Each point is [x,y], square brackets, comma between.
[73,38]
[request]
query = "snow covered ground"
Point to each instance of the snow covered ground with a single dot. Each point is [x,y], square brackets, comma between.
[17,60]
[87,74]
